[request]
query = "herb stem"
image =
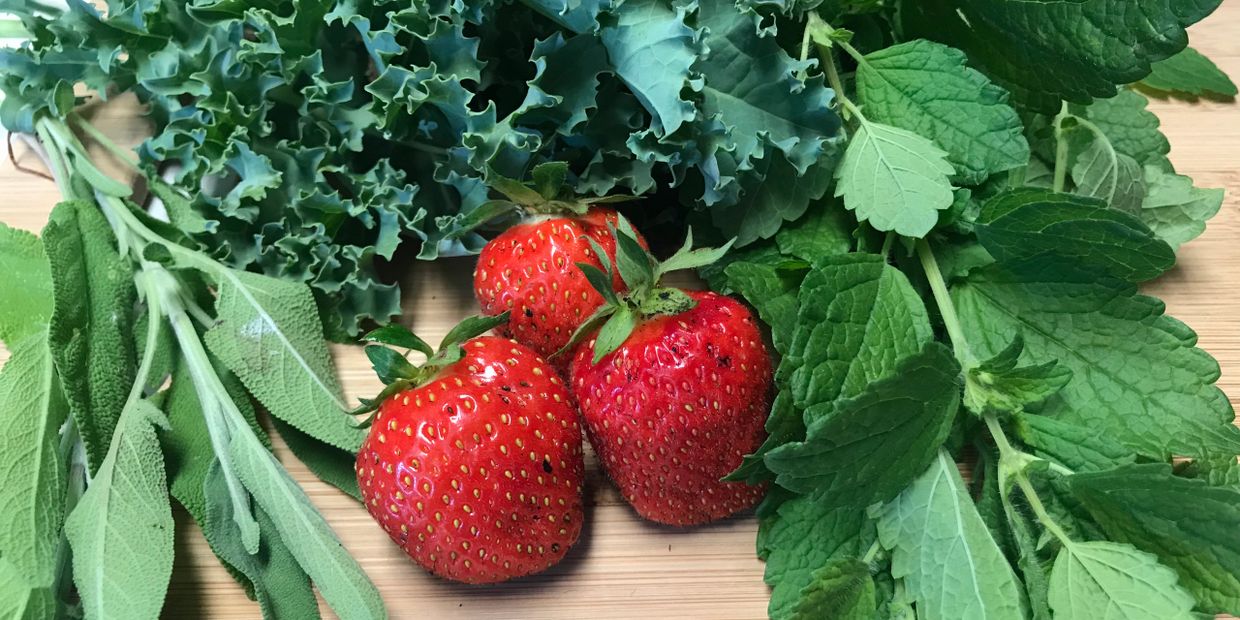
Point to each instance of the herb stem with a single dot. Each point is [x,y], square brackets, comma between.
[943,299]
[872,552]
[888,242]
[103,140]
[1012,462]
[56,159]
[1061,150]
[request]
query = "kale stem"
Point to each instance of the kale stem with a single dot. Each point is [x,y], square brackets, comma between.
[806,35]
[943,299]
[1061,150]
[111,147]
[56,158]
[870,553]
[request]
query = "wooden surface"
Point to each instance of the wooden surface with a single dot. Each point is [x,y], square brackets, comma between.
[624,567]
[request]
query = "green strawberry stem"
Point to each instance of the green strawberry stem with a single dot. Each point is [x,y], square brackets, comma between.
[642,273]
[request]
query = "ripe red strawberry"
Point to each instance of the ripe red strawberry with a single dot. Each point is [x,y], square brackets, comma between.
[530,269]
[674,390]
[474,466]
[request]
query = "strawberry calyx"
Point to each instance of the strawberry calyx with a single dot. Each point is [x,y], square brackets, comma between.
[641,273]
[388,349]
[548,193]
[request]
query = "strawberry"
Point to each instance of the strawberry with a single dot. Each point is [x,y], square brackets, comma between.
[473,464]
[674,389]
[530,269]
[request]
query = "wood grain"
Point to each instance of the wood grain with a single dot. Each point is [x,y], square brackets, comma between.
[624,567]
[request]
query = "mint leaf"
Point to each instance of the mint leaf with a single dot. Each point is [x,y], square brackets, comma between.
[1022,224]
[1189,524]
[894,179]
[1189,72]
[825,230]
[846,455]
[1131,129]
[1109,337]
[27,282]
[800,538]
[121,530]
[1034,572]
[1048,51]
[933,531]
[858,318]
[1000,386]
[841,589]
[1093,162]
[1079,448]
[752,84]
[1176,210]
[651,50]
[33,475]
[92,321]
[773,293]
[927,88]
[1109,581]
[268,333]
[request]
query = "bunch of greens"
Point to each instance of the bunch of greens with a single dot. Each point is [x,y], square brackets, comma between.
[135,363]
[942,209]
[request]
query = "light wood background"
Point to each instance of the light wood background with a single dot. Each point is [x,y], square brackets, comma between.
[624,567]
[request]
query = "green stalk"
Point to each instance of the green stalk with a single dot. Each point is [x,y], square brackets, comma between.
[1061,149]
[943,299]
[103,140]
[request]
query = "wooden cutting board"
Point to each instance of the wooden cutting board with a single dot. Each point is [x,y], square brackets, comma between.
[624,567]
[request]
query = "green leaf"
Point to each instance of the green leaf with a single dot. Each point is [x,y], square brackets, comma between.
[754,87]
[999,385]
[1191,73]
[390,364]
[801,537]
[1176,210]
[27,282]
[942,550]
[688,258]
[927,88]
[1022,224]
[309,538]
[1093,162]
[1035,573]
[825,230]
[858,318]
[1079,448]
[33,475]
[894,179]
[773,292]
[632,260]
[1048,51]
[1130,128]
[601,282]
[651,50]
[19,600]
[92,321]
[770,196]
[471,327]
[614,332]
[1188,523]
[121,529]
[331,464]
[865,449]
[399,336]
[1109,581]
[1109,337]
[842,589]
[268,334]
[784,424]
[281,587]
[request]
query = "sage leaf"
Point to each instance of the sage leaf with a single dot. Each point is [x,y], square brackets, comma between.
[933,530]
[268,334]
[121,529]
[26,281]
[19,600]
[1102,580]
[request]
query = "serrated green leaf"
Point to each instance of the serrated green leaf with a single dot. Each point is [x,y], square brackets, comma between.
[1174,209]
[309,538]
[773,293]
[331,464]
[1093,162]
[1189,524]
[92,321]
[842,589]
[894,179]
[933,531]
[1109,581]
[1080,49]
[1000,386]
[651,50]
[1131,129]
[1079,448]
[1109,337]
[1021,224]
[1189,72]
[824,230]
[927,88]
[33,476]
[26,280]
[121,529]
[268,334]
[846,455]
[801,537]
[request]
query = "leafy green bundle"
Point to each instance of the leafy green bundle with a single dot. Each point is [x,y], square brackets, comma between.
[942,209]
[135,363]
